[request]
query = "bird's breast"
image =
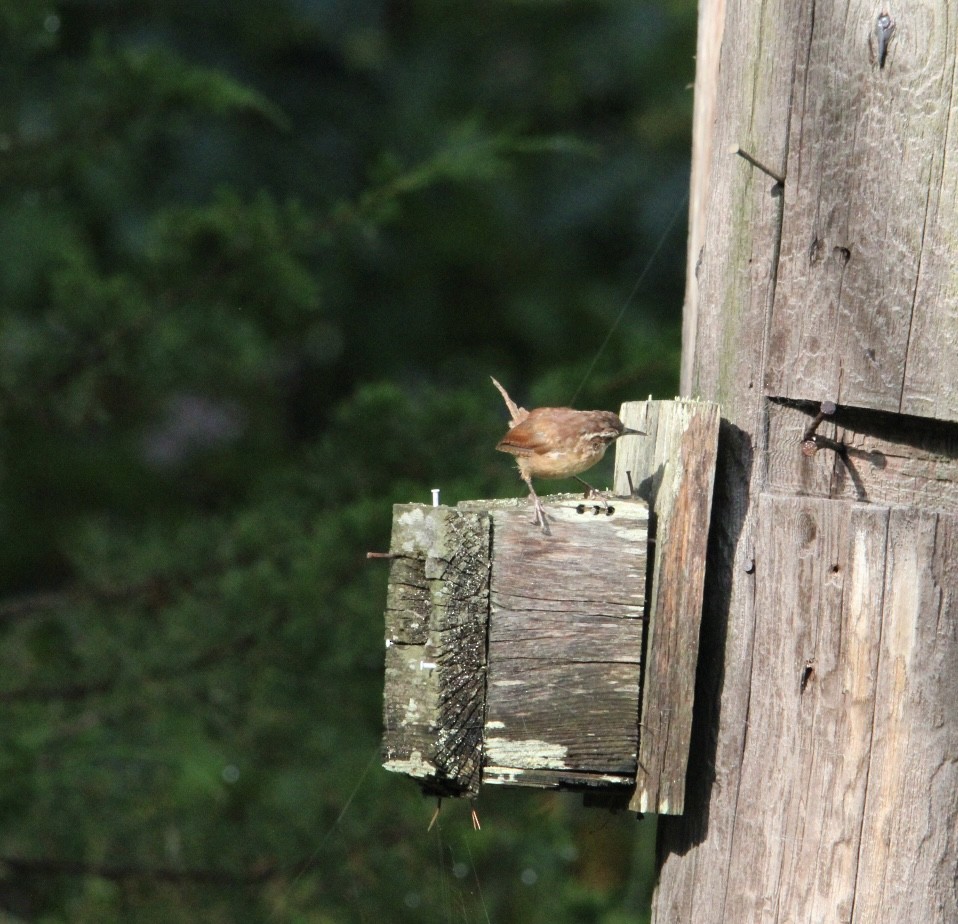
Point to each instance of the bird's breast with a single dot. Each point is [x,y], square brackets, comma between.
[561,464]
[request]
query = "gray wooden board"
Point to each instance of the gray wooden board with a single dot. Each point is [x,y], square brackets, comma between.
[565,642]
[871,217]
[745,63]
[674,468]
[854,678]
[906,867]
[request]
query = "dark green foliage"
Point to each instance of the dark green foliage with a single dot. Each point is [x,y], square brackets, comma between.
[259,262]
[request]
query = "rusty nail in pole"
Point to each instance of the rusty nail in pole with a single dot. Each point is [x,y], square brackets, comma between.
[381,555]
[809,443]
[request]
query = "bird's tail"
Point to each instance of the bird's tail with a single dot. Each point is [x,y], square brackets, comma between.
[518,414]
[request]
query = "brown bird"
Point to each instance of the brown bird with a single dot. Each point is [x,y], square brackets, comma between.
[558,442]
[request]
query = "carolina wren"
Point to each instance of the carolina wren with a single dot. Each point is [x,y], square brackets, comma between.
[558,442]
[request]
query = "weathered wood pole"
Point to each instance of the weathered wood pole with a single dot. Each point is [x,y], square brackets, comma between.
[823,780]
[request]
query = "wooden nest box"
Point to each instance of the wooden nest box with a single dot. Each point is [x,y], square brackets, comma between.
[567,660]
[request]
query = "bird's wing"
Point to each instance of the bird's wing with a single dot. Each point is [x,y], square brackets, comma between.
[516,413]
[533,435]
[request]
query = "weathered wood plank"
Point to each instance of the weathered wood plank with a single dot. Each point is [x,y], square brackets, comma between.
[907,866]
[546,714]
[854,681]
[745,64]
[818,585]
[673,468]
[436,614]
[565,643]
[724,313]
[931,386]
[871,217]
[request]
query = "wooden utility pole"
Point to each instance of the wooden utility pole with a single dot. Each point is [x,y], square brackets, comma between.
[823,779]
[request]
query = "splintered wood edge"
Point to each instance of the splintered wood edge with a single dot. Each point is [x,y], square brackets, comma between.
[673,468]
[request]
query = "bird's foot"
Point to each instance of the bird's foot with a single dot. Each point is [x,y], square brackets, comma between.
[540,515]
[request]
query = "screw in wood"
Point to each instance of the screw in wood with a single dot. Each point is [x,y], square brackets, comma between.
[884,30]
[735,149]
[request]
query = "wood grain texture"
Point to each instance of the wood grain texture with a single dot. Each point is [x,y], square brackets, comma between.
[854,673]
[818,608]
[728,298]
[565,644]
[673,469]
[436,615]
[707,55]
[740,208]
[908,862]
[871,216]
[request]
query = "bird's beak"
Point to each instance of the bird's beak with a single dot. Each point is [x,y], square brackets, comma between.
[628,431]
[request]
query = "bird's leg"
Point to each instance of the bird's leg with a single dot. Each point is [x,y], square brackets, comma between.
[540,518]
[589,490]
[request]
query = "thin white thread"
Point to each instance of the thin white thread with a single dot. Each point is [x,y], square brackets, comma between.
[475,874]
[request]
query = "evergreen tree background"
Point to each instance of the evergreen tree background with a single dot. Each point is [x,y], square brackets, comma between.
[259,261]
